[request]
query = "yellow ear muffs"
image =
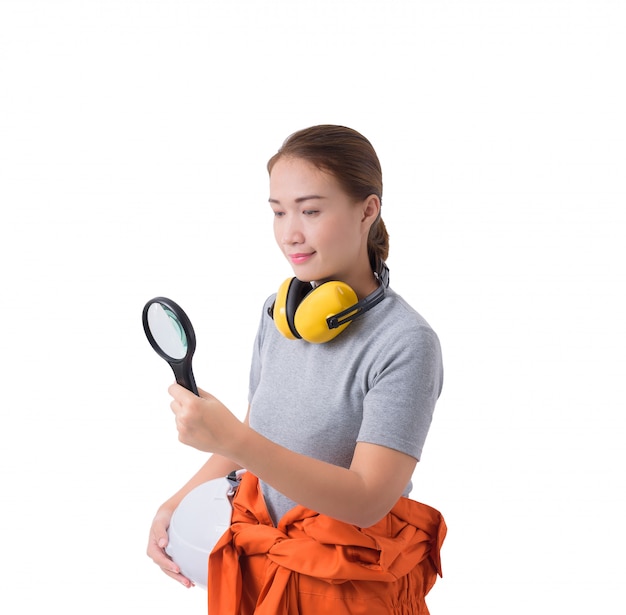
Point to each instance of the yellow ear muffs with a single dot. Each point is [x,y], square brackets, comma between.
[320,314]
[321,303]
[301,312]
[288,297]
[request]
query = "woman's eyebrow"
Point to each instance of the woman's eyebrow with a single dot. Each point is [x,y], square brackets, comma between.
[300,199]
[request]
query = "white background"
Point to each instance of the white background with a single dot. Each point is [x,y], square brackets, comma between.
[133,142]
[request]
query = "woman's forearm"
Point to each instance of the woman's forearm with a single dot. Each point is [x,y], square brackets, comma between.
[358,495]
[216,466]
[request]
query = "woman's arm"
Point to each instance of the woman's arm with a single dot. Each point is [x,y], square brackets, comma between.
[216,466]
[360,495]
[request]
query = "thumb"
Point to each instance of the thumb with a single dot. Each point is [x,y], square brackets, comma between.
[204,394]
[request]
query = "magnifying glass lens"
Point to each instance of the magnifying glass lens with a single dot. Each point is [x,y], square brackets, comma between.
[170,333]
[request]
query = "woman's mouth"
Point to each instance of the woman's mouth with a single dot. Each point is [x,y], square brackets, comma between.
[298,259]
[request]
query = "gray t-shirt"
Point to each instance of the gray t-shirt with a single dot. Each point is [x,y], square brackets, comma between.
[376,382]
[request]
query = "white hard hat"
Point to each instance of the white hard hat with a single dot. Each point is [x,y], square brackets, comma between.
[198,522]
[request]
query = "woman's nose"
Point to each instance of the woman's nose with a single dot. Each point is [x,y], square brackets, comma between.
[291,231]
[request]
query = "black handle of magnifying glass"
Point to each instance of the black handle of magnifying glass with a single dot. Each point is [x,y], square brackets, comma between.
[184,374]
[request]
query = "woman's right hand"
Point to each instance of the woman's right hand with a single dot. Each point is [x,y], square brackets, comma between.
[157,542]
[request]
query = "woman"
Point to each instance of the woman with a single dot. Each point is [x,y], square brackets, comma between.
[337,416]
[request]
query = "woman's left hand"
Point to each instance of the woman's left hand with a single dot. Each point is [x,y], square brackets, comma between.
[203,422]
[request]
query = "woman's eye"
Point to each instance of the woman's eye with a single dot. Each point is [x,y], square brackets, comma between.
[278,214]
[310,212]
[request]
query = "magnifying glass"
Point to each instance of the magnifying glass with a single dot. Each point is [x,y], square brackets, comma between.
[170,333]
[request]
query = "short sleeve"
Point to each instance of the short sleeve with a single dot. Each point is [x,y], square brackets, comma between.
[398,408]
[255,366]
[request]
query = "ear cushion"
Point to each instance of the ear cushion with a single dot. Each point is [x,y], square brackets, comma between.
[321,303]
[289,296]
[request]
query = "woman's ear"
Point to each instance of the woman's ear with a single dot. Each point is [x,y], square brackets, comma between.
[371,210]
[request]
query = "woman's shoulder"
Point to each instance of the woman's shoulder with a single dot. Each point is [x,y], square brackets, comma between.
[401,316]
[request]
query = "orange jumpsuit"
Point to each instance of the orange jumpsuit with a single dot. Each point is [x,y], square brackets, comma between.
[312,564]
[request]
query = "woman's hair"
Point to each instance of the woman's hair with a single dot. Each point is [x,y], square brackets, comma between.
[351,159]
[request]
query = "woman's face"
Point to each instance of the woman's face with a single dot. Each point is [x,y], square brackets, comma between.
[319,228]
